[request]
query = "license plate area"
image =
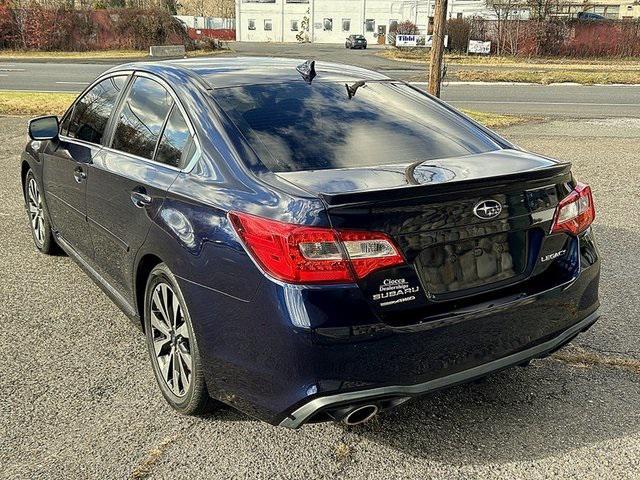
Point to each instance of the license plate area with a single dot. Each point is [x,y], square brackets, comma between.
[473,265]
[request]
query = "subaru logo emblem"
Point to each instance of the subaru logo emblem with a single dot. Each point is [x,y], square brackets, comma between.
[487,209]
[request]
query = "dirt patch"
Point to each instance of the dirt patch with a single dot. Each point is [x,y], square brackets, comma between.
[580,357]
[143,469]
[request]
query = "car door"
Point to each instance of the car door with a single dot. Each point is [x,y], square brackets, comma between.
[67,160]
[129,179]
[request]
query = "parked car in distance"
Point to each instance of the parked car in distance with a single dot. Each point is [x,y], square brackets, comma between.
[590,16]
[304,251]
[355,41]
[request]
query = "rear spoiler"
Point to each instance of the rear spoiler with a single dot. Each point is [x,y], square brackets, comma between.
[555,174]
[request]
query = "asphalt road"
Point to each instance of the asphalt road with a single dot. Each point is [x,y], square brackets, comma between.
[533,100]
[79,399]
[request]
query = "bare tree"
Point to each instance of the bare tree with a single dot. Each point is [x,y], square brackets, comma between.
[21,14]
[507,26]
[542,9]
[208,8]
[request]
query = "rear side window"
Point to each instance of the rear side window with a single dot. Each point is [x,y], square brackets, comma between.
[141,118]
[174,140]
[294,126]
[91,113]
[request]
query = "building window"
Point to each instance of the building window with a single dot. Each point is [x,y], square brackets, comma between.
[346,24]
[268,25]
[294,25]
[328,24]
[393,26]
[370,25]
[459,15]
[252,24]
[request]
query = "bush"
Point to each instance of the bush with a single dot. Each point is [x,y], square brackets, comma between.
[8,32]
[139,28]
[404,28]
[208,44]
[550,36]
[55,29]
[458,30]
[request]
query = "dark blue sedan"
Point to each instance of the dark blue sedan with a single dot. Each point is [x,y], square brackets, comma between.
[308,242]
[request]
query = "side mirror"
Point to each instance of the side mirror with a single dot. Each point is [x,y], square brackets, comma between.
[44,128]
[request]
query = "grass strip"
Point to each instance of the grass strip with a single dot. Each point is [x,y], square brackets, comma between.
[42,103]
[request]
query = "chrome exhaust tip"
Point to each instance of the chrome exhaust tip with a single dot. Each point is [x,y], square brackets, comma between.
[361,414]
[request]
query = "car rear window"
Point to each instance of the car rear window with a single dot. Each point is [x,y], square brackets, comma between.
[294,126]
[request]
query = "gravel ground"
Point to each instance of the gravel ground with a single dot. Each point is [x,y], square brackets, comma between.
[79,399]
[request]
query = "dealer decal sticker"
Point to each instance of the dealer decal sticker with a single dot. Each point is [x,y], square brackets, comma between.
[394,291]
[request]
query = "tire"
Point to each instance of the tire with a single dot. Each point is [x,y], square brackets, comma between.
[170,329]
[38,216]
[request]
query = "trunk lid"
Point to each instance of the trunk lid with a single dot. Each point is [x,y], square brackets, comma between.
[466,226]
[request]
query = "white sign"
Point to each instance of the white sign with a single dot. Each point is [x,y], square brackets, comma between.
[478,46]
[406,40]
[417,40]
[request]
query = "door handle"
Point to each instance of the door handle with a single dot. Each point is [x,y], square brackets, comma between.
[79,174]
[140,198]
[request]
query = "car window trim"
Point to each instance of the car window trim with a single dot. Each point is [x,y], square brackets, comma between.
[72,108]
[108,136]
[176,101]
[162,129]
[190,140]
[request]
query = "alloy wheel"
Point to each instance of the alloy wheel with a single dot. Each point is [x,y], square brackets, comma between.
[36,211]
[171,339]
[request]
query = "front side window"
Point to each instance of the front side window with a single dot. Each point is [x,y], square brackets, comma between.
[141,118]
[370,25]
[251,24]
[346,24]
[328,24]
[174,140]
[294,126]
[294,25]
[268,25]
[91,113]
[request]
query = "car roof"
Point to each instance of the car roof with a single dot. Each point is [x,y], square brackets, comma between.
[225,72]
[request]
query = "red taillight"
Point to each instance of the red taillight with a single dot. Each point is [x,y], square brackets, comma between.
[575,212]
[301,254]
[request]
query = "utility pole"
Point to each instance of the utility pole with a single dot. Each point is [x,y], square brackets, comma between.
[437,47]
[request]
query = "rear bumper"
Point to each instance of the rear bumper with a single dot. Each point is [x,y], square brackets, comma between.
[289,353]
[313,407]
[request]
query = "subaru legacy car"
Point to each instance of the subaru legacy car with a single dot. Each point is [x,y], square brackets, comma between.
[310,241]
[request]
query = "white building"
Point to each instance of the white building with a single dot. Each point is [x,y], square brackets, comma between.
[331,21]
